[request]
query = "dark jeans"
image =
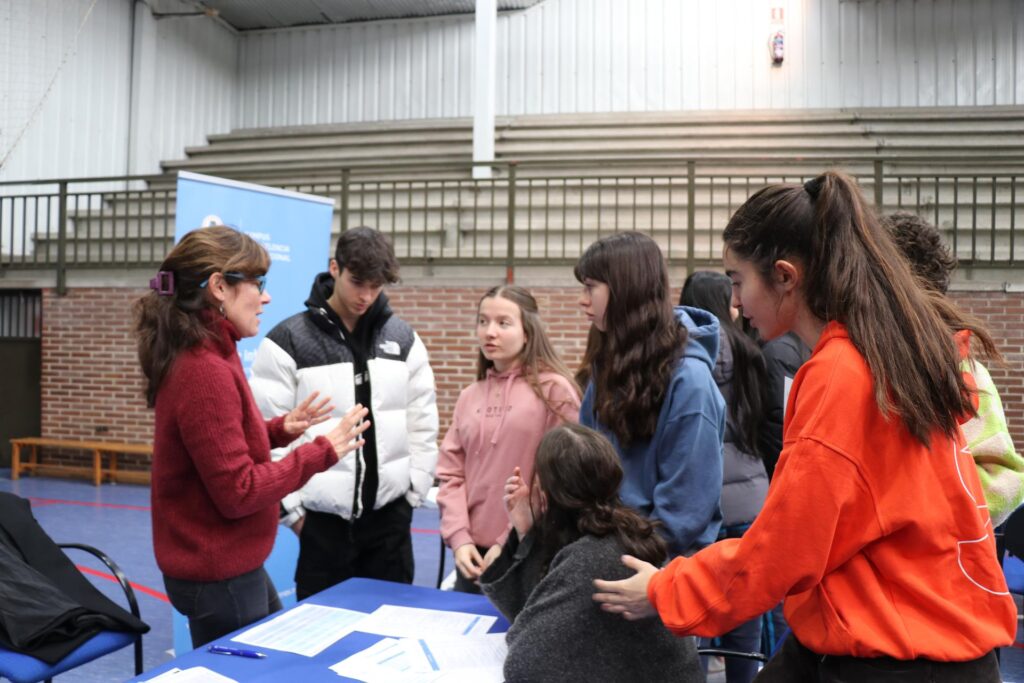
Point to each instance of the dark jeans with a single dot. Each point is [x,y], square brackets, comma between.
[216,608]
[794,663]
[744,638]
[377,545]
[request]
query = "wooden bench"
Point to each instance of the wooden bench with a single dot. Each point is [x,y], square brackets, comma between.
[98,448]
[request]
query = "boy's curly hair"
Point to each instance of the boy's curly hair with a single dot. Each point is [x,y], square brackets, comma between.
[922,245]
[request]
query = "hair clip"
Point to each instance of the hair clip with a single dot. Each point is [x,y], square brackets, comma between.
[813,186]
[163,283]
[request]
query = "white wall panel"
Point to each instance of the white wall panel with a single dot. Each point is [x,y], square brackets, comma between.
[107,114]
[192,77]
[80,127]
[565,56]
[185,86]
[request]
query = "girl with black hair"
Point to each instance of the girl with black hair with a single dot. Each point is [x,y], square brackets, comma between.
[649,389]
[741,377]
[875,529]
[569,525]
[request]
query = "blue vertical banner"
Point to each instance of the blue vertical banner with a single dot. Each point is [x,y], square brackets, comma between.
[294,228]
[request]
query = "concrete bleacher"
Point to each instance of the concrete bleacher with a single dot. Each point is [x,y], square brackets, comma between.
[584,175]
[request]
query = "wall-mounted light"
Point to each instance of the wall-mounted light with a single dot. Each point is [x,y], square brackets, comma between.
[777,47]
[777,39]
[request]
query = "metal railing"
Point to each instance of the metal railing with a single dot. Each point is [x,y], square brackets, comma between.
[523,215]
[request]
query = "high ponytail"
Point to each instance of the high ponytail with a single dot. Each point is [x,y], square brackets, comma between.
[170,320]
[855,275]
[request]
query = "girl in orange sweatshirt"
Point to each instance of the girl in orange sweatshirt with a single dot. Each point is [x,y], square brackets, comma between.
[522,391]
[875,529]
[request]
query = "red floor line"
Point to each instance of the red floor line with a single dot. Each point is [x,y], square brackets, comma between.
[59,501]
[424,531]
[137,586]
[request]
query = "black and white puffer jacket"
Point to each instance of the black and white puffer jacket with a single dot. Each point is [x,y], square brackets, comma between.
[309,352]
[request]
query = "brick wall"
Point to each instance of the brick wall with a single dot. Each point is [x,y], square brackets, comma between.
[91,384]
[1003,313]
[91,379]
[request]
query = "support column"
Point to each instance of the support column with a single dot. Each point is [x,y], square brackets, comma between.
[483,87]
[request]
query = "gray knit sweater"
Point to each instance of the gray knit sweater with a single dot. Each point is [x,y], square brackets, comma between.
[559,633]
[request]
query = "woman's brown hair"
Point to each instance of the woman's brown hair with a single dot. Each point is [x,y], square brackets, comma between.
[167,323]
[578,471]
[632,361]
[538,355]
[855,275]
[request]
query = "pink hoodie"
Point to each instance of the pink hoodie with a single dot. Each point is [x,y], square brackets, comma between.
[497,425]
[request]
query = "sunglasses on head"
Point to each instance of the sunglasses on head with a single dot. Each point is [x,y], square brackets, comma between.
[235,277]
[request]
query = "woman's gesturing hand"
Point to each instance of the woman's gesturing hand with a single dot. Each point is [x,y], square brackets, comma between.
[517,502]
[345,435]
[307,414]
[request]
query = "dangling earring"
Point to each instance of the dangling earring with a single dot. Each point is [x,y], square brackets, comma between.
[222,313]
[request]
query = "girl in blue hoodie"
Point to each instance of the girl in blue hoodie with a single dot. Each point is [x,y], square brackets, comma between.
[647,370]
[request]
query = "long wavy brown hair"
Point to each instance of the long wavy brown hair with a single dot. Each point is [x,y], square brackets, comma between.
[855,275]
[579,473]
[632,361]
[538,355]
[167,325]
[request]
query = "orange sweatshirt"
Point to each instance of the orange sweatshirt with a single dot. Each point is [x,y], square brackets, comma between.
[879,545]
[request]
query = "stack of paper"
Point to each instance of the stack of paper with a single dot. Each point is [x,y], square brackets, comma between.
[415,622]
[420,645]
[306,629]
[476,659]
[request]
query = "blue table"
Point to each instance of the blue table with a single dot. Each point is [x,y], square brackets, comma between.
[362,595]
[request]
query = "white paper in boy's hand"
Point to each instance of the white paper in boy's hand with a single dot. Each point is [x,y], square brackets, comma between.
[415,622]
[446,653]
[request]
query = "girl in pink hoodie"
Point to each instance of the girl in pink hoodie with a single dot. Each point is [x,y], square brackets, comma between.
[522,390]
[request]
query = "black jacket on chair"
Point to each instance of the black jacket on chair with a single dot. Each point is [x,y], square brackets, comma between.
[47,608]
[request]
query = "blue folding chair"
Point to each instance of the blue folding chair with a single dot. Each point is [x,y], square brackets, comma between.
[20,668]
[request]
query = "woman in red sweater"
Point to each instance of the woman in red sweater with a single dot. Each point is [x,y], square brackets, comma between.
[215,490]
[875,530]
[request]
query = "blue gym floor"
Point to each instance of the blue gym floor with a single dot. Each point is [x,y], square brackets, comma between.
[115,519]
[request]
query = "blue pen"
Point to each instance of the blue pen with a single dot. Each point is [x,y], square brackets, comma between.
[237,652]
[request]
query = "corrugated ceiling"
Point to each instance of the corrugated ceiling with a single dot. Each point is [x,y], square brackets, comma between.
[247,15]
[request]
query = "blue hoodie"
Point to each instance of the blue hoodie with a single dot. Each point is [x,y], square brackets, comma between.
[676,476]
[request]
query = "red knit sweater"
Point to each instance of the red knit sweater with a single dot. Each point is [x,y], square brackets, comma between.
[215,490]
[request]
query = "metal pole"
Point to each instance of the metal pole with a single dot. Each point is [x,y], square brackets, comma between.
[344,199]
[510,248]
[485,34]
[691,215]
[879,194]
[62,221]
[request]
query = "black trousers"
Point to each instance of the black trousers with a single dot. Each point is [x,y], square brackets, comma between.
[377,545]
[216,608]
[794,663]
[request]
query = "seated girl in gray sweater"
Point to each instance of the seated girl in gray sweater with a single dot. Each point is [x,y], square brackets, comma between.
[571,528]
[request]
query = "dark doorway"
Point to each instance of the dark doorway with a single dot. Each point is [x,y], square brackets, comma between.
[20,367]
